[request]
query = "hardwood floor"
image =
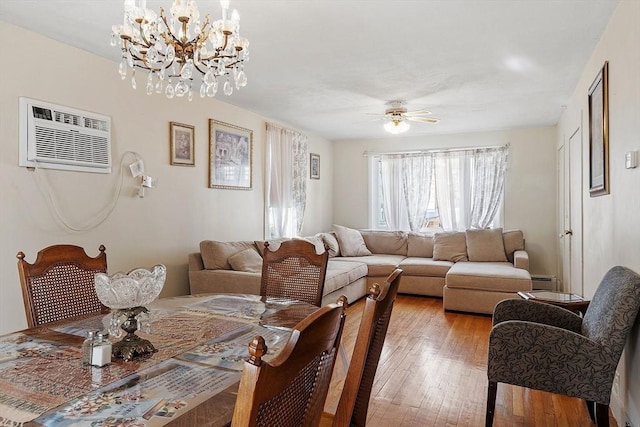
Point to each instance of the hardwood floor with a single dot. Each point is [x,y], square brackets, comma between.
[432,372]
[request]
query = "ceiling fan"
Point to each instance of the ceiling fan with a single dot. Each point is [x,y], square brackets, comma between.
[397,117]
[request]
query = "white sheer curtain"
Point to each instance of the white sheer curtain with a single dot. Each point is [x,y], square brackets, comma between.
[417,174]
[469,186]
[453,189]
[394,204]
[489,167]
[286,184]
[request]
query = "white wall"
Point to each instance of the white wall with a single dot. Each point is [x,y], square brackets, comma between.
[530,187]
[161,228]
[611,223]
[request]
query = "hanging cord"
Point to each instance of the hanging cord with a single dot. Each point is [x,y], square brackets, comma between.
[46,191]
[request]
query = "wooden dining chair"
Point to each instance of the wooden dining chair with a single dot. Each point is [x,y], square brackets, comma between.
[60,283]
[356,392]
[295,271]
[291,389]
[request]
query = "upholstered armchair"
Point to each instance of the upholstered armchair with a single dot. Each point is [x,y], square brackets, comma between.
[548,348]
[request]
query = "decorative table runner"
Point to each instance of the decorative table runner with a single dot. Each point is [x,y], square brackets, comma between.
[201,342]
[37,375]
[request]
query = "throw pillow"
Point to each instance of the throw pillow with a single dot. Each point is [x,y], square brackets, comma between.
[485,245]
[450,246]
[248,260]
[513,241]
[215,254]
[350,241]
[316,240]
[274,244]
[331,242]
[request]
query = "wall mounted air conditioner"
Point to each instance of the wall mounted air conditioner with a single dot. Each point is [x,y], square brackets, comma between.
[57,137]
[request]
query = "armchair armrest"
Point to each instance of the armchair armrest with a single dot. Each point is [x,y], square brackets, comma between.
[521,260]
[537,312]
[551,359]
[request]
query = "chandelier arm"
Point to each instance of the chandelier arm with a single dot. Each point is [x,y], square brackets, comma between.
[198,68]
[146,42]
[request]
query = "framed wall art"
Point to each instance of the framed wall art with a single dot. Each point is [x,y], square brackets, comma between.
[230,156]
[314,170]
[599,133]
[181,145]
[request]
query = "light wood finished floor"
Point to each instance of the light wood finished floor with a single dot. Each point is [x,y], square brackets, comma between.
[433,373]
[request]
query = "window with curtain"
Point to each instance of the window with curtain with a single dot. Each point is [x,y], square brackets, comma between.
[438,190]
[285,179]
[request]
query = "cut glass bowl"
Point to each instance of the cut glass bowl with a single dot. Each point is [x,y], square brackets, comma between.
[137,288]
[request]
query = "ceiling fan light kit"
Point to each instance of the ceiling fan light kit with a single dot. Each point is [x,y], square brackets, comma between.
[398,117]
[396,127]
[175,48]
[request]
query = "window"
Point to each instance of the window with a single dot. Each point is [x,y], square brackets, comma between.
[438,190]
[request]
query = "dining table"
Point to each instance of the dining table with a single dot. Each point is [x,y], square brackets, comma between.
[191,380]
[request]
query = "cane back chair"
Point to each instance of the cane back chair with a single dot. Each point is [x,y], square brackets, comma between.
[60,283]
[290,390]
[294,271]
[356,392]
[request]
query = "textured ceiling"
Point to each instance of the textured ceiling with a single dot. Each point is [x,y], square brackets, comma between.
[324,65]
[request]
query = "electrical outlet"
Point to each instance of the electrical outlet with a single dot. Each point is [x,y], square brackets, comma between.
[616,383]
[627,423]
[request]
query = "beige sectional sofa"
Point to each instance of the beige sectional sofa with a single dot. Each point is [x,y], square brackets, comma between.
[470,270]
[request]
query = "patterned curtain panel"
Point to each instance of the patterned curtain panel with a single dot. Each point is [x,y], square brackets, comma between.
[489,166]
[286,184]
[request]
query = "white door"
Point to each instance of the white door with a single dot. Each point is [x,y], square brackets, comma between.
[564,250]
[575,211]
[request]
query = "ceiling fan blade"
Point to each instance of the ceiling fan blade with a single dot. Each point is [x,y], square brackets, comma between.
[423,119]
[417,112]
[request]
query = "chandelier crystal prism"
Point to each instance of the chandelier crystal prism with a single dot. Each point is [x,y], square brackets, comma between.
[175,49]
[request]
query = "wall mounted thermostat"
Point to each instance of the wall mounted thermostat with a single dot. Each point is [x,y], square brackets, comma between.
[631,160]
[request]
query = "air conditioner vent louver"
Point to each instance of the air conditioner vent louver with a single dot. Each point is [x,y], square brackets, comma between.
[57,137]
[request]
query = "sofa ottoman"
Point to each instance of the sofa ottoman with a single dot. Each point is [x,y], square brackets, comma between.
[479,286]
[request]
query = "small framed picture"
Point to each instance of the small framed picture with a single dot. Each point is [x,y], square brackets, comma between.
[230,156]
[182,144]
[314,171]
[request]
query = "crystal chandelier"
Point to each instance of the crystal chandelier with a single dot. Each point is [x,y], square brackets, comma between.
[175,49]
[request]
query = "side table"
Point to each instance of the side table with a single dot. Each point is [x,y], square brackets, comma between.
[566,300]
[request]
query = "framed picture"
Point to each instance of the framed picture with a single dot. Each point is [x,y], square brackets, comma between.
[181,146]
[230,156]
[599,134]
[314,171]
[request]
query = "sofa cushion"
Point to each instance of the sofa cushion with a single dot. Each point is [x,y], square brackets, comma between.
[248,260]
[378,264]
[420,245]
[425,267]
[341,273]
[450,246]
[485,245]
[385,242]
[331,243]
[513,241]
[488,276]
[350,241]
[215,254]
